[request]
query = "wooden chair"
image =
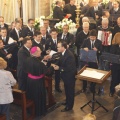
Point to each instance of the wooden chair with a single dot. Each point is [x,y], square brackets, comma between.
[2,117]
[20,99]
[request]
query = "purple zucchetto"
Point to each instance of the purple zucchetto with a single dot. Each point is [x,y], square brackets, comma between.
[33,50]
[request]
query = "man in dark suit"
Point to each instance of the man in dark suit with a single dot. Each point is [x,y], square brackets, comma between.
[16,34]
[95,11]
[46,24]
[68,70]
[92,43]
[44,34]
[51,44]
[3,36]
[37,42]
[2,24]
[67,37]
[23,54]
[29,30]
[58,12]
[115,9]
[70,9]
[109,5]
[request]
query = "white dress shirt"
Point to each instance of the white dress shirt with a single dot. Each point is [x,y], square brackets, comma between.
[6,81]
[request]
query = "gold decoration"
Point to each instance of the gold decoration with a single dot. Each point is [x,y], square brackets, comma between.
[78,14]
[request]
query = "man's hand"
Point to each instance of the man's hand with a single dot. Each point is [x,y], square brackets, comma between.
[47,57]
[21,39]
[56,67]
[48,52]
[95,49]
[8,56]
[86,49]
[69,15]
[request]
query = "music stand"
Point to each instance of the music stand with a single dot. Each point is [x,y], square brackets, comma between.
[80,76]
[88,56]
[110,57]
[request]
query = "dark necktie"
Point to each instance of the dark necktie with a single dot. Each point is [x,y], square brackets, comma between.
[92,46]
[64,37]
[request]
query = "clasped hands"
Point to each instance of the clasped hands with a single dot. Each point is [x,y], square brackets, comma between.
[86,49]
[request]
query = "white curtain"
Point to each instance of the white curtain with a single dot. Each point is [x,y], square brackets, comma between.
[9,10]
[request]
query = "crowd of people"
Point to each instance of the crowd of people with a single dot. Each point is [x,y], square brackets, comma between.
[26,52]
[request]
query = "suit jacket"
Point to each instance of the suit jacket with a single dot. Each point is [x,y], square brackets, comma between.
[23,54]
[69,38]
[27,32]
[91,12]
[68,9]
[5,25]
[6,41]
[51,45]
[112,11]
[44,40]
[97,44]
[58,13]
[68,66]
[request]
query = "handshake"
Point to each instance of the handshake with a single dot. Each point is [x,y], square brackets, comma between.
[56,67]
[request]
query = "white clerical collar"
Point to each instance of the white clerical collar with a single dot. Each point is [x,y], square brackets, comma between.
[54,40]
[27,48]
[85,32]
[63,52]
[37,41]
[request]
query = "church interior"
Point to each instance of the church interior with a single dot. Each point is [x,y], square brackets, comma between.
[60,59]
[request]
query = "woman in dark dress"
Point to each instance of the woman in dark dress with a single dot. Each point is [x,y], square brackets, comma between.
[36,70]
[115,68]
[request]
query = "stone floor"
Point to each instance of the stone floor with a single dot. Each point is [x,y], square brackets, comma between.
[55,113]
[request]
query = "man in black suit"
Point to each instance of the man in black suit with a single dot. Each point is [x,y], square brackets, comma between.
[68,70]
[16,34]
[95,11]
[46,24]
[92,43]
[3,36]
[44,34]
[23,54]
[115,9]
[29,30]
[70,9]
[51,44]
[37,42]
[2,24]
[58,12]
[67,37]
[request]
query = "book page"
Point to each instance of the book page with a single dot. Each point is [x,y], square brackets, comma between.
[52,52]
[92,74]
[10,40]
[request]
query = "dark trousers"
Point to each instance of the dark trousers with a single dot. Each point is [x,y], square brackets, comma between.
[57,79]
[69,86]
[5,109]
[115,78]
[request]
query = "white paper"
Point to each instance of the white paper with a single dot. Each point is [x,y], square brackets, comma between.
[92,74]
[99,35]
[10,40]
[52,52]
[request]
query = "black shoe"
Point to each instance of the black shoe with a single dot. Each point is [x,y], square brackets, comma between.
[64,103]
[111,94]
[58,90]
[66,109]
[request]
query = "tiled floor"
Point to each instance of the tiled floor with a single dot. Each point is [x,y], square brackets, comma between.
[80,99]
